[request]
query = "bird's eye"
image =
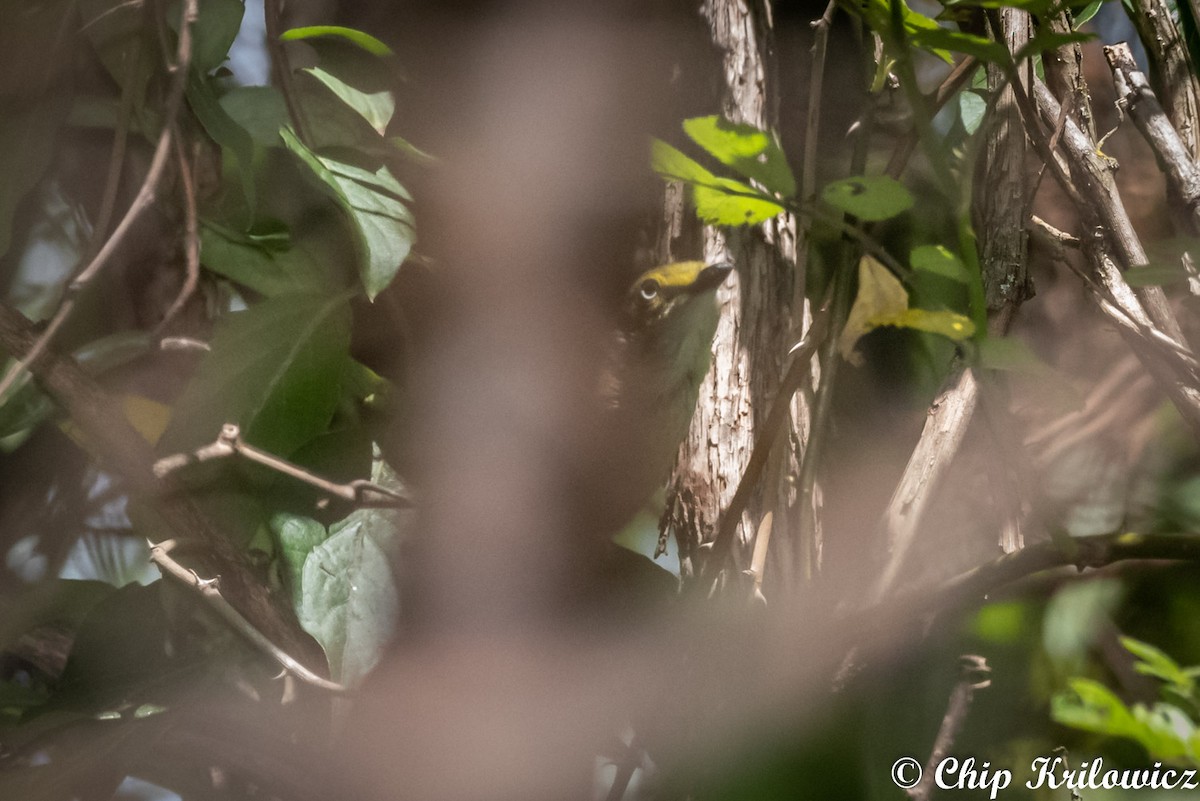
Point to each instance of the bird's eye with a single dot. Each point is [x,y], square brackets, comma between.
[649,289]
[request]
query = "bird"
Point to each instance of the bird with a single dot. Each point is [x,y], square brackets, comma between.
[660,353]
[654,357]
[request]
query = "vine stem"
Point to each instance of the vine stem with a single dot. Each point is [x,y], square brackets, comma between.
[141,202]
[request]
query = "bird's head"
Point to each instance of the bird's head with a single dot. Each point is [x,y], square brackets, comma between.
[662,295]
[669,318]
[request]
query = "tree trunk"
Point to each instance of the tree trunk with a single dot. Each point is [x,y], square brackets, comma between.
[762,314]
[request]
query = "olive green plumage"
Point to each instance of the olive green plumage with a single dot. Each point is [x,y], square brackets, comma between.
[661,353]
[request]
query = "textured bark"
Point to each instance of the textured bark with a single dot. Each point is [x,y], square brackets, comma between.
[1171,148]
[1002,185]
[759,320]
[1064,75]
[1171,72]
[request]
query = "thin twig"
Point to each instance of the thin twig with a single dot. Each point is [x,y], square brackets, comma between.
[120,448]
[229,443]
[812,130]
[1172,153]
[1171,70]
[283,70]
[758,560]
[945,90]
[1105,216]
[1093,190]
[116,160]
[191,234]
[184,343]
[974,675]
[141,202]
[210,591]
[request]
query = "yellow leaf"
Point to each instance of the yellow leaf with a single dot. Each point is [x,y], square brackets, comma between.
[148,417]
[880,295]
[949,324]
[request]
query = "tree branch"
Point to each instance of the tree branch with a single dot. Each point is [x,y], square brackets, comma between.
[141,202]
[1172,153]
[120,448]
[210,591]
[229,443]
[974,672]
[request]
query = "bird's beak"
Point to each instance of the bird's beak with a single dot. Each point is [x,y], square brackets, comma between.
[711,277]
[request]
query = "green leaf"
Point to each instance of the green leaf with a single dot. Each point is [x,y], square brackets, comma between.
[120,646]
[752,152]
[1095,708]
[1153,662]
[260,110]
[348,599]
[670,163]
[416,154]
[225,131]
[1074,619]
[1045,40]
[1087,12]
[980,47]
[275,370]
[297,537]
[331,123]
[363,40]
[878,14]
[266,267]
[719,201]
[732,203]
[374,107]
[1001,353]
[1155,275]
[27,139]
[1000,622]
[868,197]
[123,43]
[383,227]
[213,31]
[939,260]
[971,107]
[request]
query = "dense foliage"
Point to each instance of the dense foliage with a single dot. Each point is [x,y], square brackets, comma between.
[203,454]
